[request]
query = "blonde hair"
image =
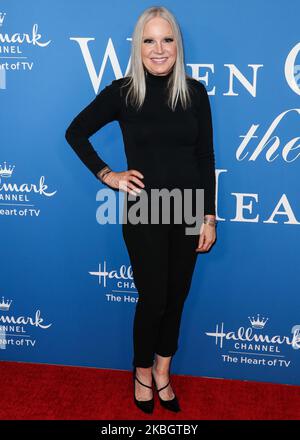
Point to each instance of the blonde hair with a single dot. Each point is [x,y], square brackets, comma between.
[177,84]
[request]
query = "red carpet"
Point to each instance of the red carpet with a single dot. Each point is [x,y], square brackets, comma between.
[51,392]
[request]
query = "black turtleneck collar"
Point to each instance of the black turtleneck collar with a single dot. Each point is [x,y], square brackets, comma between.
[157,79]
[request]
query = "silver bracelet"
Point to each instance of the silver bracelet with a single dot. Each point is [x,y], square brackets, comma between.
[103,173]
[209,221]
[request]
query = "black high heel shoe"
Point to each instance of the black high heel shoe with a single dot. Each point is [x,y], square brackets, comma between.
[145,405]
[173,404]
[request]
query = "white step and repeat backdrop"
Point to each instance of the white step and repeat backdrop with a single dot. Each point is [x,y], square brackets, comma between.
[67,295]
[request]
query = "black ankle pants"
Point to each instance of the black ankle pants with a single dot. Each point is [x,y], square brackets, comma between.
[163,258]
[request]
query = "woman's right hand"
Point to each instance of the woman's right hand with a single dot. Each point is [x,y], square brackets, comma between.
[124,181]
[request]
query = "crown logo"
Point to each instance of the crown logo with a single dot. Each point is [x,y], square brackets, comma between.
[2,17]
[258,322]
[5,305]
[6,171]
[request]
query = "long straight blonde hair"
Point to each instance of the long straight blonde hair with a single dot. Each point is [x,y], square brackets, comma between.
[177,84]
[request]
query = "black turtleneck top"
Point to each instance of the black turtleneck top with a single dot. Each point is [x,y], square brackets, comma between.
[172,149]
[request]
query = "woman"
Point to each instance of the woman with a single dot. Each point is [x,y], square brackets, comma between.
[166,125]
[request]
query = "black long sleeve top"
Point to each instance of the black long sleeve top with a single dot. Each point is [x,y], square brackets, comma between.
[170,148]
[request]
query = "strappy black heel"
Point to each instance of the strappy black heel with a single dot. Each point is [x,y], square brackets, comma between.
[145,405]
[173,404]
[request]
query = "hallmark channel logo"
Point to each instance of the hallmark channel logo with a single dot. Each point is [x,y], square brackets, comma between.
[251,346]
[12,46]
[15,198]
[121,283]
[13,329]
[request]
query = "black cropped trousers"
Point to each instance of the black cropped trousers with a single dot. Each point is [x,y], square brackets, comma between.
[162,258]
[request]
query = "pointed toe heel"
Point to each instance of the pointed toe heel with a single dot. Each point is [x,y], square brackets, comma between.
[171,405]
[146,406]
